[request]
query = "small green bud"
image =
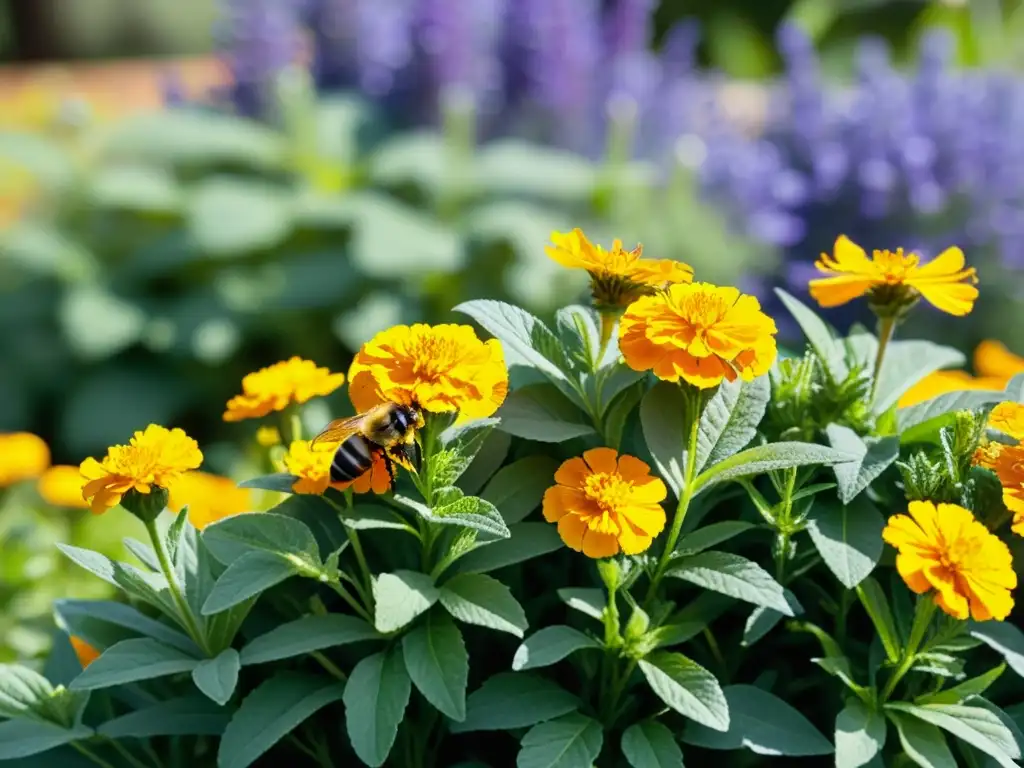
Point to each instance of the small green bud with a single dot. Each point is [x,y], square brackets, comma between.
[638,624]
[608,568]
[146,506]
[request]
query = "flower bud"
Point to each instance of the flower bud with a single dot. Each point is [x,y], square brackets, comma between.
[146,506]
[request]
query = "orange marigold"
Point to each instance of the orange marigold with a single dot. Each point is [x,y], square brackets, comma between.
[23,456]
[436,367]
[617,276]
[62,486]
[893,280]
[209,498]
[153,458]
[605,503]
[276,387]
[312,468]
[86,653]
[943,548]
[1007,461]
[700,333]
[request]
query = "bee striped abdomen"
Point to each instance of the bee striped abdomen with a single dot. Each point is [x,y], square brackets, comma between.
[351,460]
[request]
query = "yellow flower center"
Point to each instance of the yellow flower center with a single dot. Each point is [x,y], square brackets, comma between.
[895,266]
[433,355]
[701,308]
[609,492]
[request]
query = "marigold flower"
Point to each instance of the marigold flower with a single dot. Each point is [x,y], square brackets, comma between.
[943,382]
[86,653]
[894,280]
[276,387]
[436,367]
[312,467]
[700,333]
[1007,461]
[154,458]
[942,547]
[268,437]
[62,486]
[1008,418]
[618,276]
[209,498]
[993,359]
[23,456]
[605,503]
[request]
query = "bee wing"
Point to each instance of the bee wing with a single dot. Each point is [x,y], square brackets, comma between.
[338,431]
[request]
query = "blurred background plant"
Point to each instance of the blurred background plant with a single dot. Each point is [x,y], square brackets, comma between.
[326,168]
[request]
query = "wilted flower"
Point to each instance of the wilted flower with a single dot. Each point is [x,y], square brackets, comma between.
[700,333]
[942,547]
[617,276]
[992,358]
[86,653]
[436,367]
[276,387]
[209,498]
[943,382]
[153,459]
[22,457]
[312,467]
[605,503]
[62,486]
[893,280]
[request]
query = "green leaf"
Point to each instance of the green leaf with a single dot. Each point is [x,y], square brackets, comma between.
[977,726]
[485,463]
[550,645]
[226,217]
[305,635]
[247,577]
[762,620]
[541,412]
[527,541]
[272,711]
[587,600]
[281,482]
[765,458]
[649,744]
[191,715]
[217,677]
[905,364]
[141,658]
[148,587]
[921,421]
[923,743]
[437,662]
[663,419]
[821,338]
[234,536]
[710,535]
[960,692]
[860,735]
[400,597]
[1003,638]
[873,599]
[873,458]
[513,700]
[138,190]
[730,419]
[571,741]
[104,622]
[763,723]
[465,511]
[517,168]
[22,737]
[731,575]
[21,690]
[848,538]
[376,696]
[372,517]
[687,687]
[517,489]
[478,599]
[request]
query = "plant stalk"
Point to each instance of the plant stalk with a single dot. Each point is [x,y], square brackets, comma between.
[886,328]
[922,618]
[188,618]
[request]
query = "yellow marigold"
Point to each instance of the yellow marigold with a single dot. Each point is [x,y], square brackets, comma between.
[1008,418]
[1007,461]
[993,359]
[23,456]
[700,333]
[436,367]
[86,653]
[942,547]
[209,498]
[312,467]
[618,276]
[605,503]
[276,387]
[156,457]
[942,382]
[268,437]
[62,486]
[892,280]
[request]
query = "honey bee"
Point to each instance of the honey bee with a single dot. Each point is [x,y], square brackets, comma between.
[388,429]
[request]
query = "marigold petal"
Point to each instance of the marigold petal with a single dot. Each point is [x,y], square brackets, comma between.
[955,299]
[836,291]
[648,519]
[573,472]
[850,257]
[634,470]
[992,358]
[949,263]
[602,459]
[1008,418]
[632,541]
[911,570]
[572,529]
[598,545]
[953,603]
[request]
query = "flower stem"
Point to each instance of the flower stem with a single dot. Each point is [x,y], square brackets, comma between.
[922,618]
[357,549]
[186,615]
[886,328]
[128,756]
[84,750]
[608,320]
[348,598]
[329,666]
